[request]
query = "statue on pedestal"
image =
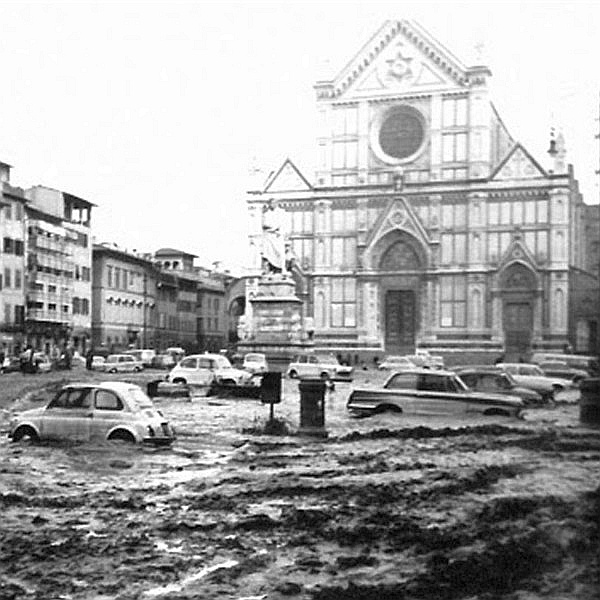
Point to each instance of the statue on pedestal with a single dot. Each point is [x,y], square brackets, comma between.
[272,250]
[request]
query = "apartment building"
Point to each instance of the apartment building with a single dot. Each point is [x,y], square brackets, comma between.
[12,263]
[59,262]
[124,299]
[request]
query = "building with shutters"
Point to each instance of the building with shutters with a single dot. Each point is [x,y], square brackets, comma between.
[427,224]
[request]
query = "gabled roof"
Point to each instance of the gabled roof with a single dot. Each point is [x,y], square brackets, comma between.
[287,178]
[435,57]
[518,164]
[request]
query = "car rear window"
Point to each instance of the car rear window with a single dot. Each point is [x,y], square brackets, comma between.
[402,381]
[140,399]
[107,400]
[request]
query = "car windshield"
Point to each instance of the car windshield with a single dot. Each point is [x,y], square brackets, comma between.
[254,358]
[139,398]
[327,358]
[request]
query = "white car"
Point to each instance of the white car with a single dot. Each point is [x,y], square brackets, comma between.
[122,363]
[255,362]
[206,370]
[396,363]
[321,366]
[144,355]
[86,412]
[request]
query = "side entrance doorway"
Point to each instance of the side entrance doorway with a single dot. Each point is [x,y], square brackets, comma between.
[518,327]
[400,321]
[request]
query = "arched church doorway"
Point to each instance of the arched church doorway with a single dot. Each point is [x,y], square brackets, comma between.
[518,288]
[400,267]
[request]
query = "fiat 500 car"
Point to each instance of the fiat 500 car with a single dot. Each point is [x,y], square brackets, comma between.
[95,412]
[427,392]
[323,366]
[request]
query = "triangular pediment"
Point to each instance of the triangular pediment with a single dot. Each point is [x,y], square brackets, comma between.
[400,57]
[517,251]
[287,178]
[397,216]
[518,164]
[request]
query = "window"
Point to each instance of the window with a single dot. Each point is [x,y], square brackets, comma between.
[85,306]
[529,211]
[345,120]
[343,219]
[19,248]
[453,300]
[7,312]
[106,400]
[19,314]
[124,279]
[403,381]
[8,211]
[18,211]
[85,273]
[109,276]
[343,302]
[454,112]
[8,245]
[454,147]
[52,306]
[453,248]
[7,278]
[302,221]
[343,251]
[76,306]
[117,277]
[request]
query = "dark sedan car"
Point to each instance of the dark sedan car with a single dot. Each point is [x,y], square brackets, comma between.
[427,392]
[497,381]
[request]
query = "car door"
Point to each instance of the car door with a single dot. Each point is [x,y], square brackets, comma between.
[206,371]
[313,367]
[108,411]
[437,397]
[68,417]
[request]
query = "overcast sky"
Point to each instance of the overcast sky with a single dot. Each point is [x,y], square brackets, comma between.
[154,110]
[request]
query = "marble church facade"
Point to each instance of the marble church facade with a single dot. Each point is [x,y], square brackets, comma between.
[426,223]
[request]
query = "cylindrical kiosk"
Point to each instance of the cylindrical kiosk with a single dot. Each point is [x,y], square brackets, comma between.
[312,407]
[589,402]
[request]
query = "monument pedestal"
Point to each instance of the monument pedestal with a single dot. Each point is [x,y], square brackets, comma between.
[277,328]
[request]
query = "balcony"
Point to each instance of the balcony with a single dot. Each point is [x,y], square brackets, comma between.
[52,316]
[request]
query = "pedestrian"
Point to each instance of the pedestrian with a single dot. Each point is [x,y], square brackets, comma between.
[88,360]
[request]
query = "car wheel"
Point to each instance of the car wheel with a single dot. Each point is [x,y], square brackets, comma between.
[292,374]
[325,376]
[25,432]
[121,435]
[180,380]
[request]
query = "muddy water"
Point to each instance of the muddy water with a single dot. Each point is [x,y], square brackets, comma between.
[387,507]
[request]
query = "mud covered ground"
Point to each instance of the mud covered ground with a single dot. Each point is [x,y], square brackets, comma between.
[387,507]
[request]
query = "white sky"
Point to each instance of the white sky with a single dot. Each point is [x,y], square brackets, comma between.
[154,110]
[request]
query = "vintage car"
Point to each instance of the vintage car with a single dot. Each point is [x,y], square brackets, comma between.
[206,370]
[558,368]
[144,355]
[86,412]
[319,366]
[396,363]
[122,363]
[255,362]
[493,379]
[586,363]
[532,377]
[430,392]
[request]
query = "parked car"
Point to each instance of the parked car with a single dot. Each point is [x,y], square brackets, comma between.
[498,382]
[206,370]
[10,364]
[104,411]
[423,359]
[42,363]
[163,361]
[122,363]
[255,362]
[324,366]
[396,363]
[558,368]
[98,363]
[589,364]
[532,377]
[144,355]
[428,392]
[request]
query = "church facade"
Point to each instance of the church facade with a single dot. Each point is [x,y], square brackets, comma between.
[426,223]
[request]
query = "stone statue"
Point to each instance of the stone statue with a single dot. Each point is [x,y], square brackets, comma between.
[272,249]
